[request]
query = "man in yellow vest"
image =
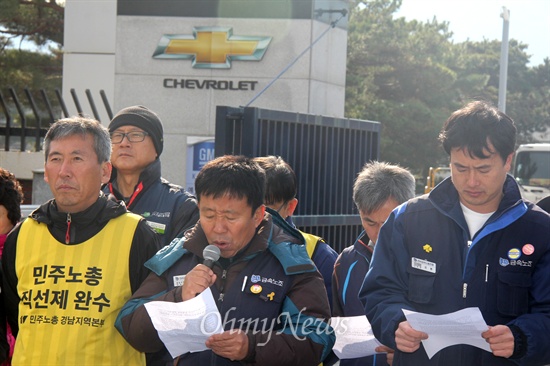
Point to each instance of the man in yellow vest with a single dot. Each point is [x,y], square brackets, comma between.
[71,265]
[280,198]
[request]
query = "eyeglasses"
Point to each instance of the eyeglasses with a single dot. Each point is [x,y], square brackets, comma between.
[134,136]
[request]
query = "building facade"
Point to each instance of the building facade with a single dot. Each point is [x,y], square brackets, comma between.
[182,58]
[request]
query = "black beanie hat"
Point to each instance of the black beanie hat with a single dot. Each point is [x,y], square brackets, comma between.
[143,118]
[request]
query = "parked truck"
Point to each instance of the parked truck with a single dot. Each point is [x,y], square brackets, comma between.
[531,169]
[435,176]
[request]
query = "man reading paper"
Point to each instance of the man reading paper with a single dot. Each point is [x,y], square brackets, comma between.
[470,242]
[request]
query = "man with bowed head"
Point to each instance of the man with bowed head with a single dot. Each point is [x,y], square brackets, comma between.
[378,189]
[281,201]
[70,266]
[264,278]
[471,242]
[137,138]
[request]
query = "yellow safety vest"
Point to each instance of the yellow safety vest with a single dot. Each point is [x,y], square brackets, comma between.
[71,295]
[311,242]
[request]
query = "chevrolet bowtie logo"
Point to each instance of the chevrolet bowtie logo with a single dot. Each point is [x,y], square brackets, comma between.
[212,47]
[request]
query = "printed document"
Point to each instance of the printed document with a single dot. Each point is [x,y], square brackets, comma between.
[185,326]
[354,337]
[461,327]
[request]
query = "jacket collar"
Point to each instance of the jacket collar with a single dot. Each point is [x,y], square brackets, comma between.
[364,245]
[147,177]
[100,212]
[293,258]
[445,196]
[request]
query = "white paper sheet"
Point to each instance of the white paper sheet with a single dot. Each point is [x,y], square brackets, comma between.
[461,327]
[185,326]
[354,337]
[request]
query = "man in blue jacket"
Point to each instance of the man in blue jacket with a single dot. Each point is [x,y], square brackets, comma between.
[471,242]
[137,138]
[379,188]
[280,200]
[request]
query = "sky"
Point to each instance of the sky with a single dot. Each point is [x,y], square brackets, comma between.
[476,20]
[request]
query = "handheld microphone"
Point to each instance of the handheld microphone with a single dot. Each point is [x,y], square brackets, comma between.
[210,254]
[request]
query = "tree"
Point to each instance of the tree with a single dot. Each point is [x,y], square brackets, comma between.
[528,102]
[528,89]
[410,76]
[38,21]
[28,69]
[41,23]
[398,75]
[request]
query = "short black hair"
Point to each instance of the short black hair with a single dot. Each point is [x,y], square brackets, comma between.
[477,125]
[233,175]
[281,182]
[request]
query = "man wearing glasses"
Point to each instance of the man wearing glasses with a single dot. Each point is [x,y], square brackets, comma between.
[137,138]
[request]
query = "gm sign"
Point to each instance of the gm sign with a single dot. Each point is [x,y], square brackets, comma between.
[203,152]
[198,154]
[212,47]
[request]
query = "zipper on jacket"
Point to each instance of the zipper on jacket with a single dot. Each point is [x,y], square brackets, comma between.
[464,290]
[222,289]
[68,233]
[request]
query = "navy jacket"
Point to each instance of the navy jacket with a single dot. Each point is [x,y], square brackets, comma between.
[349,273]
[324,258]
[504,270]
[168,208]
[323,255]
